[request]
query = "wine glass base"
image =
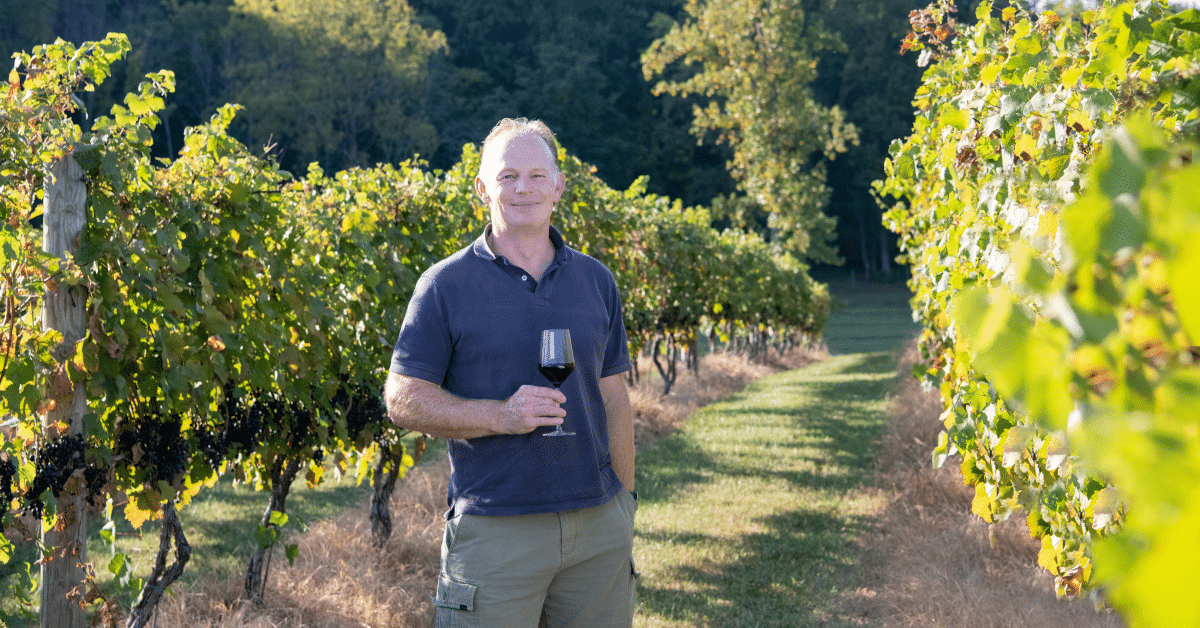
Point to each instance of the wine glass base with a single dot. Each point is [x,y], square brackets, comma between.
[559,432]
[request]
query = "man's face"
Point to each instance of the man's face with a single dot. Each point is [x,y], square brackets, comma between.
[519,182]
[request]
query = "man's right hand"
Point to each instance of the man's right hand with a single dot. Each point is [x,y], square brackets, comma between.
[422,406]
[529,408]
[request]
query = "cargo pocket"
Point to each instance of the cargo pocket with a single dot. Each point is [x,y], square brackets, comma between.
[455,604]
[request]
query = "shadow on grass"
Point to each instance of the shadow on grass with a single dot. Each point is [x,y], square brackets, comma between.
[881,364]
[839,428]
[660,477]
[871,318]
[787,574]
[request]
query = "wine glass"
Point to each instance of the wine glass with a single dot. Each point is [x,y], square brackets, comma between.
[557,363]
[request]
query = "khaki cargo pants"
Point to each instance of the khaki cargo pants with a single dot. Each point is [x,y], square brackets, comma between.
[570,569]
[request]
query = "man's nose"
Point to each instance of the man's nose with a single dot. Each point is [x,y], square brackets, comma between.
[522,184]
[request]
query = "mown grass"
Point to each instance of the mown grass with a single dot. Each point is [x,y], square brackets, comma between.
[869,317]
[750,514]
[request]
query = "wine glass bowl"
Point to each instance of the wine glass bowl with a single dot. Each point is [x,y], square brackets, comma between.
[557,363]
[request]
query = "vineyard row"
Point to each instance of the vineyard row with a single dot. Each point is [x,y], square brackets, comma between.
[216,317]
[1047,206]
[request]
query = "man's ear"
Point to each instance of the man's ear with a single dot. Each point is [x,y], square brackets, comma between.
[481,190]
[560,186]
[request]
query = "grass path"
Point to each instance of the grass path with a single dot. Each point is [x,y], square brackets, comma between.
[749,515]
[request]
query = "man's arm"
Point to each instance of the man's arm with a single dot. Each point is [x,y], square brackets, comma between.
[620,427]
[421,406]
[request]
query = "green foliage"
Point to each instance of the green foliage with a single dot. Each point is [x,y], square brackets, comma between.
[1031,281]
[1126,388]
[240,320]
[35,130]
[757,59]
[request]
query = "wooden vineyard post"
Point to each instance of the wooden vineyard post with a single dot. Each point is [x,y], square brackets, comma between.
[64,203]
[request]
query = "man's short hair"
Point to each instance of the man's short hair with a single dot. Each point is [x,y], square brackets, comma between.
[513,127]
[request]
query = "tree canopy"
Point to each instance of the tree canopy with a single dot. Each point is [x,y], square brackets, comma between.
[756,60]
[358,82]
[341,83]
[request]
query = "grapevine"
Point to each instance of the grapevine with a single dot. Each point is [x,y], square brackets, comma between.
[240,319]
[8,472]
[56,463]
[998,221]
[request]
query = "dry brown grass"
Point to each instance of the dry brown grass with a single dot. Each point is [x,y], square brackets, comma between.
[929,562]
[341,581]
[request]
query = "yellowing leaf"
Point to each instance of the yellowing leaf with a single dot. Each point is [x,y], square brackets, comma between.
[1048,556]
[1071,75]
[1056,450]
[143,506]
[1104,507]
[1047,224]
[984,506]
[989,73]
[1015,442]
[953,117]
[1026,148]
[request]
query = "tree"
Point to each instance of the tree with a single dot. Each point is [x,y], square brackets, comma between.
[338,83]
[573,65]
[756,61]
[26,25]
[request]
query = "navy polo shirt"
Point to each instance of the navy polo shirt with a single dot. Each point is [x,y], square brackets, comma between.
[474,327]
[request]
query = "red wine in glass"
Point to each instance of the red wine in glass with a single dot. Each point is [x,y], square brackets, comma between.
[557,363]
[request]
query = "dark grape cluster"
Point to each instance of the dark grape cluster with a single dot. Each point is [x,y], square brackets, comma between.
[153,443]
[243,426]
[302,418]
[364,409]
[8,472]
[272,414]
[54,463]
[211,446]
[239,431]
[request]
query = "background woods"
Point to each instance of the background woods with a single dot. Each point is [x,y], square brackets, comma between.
[358,82]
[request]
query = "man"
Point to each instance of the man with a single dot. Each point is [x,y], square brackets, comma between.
[539,530]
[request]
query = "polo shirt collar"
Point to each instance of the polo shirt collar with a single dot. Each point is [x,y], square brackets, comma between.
[481,247]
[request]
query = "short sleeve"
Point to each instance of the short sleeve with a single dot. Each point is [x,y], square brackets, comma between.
[616,354]
[423,348]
